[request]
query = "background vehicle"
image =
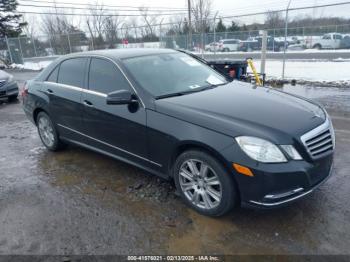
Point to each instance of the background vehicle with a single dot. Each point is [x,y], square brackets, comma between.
[345,42]
[214,46]
[227,45]
[8,87]
[174,116]
[327,41]
[255,43]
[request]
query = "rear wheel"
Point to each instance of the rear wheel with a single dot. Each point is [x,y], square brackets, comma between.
[204,184]
[12,98]
[317,46]
[48,133]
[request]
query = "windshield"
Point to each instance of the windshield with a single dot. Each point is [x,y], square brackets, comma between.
[165,74]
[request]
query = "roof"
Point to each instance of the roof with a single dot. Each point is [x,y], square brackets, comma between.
[125,52]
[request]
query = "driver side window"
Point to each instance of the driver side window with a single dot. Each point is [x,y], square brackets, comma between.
[105,77]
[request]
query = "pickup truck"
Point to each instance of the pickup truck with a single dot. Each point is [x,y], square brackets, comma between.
[327,41]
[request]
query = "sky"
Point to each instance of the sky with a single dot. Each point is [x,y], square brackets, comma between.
[223,8]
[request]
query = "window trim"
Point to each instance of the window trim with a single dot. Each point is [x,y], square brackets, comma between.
[84,73]
[58,70]
[88,75]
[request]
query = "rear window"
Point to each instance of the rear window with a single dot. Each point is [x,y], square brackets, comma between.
[53,75]
[72,72]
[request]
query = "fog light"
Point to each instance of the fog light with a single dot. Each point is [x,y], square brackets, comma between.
[243,170]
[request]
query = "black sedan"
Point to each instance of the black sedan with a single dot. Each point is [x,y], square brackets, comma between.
[8,87]
[223,143]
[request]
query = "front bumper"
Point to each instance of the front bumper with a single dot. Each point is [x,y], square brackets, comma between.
[9,89]
[275,185]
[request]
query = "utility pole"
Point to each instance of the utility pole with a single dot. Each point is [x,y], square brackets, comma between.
[263,52]
[285,40]
[189,26]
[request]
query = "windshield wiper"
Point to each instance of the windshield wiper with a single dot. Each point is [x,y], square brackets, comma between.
[210,86]
[175,94]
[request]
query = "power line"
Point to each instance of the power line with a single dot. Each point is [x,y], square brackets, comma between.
[101,8]
[113,6]
[87,14]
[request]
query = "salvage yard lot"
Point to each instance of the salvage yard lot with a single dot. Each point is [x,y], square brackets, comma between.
[80,202]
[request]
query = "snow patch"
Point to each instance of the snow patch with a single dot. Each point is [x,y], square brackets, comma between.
[35,66]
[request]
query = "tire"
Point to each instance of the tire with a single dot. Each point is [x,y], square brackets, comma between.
[12,98]
[249,49]
[48,132]
[207,203]
[226,49]
[317,46]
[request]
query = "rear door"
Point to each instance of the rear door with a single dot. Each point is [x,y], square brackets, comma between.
[63,87]
[118,129]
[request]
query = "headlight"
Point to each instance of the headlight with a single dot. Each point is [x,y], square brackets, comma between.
[292,152]
[260,149]
[10,78]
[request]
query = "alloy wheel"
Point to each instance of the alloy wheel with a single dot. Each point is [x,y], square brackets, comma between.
[200,184]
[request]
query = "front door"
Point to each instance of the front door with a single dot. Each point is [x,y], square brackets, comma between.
[117,129]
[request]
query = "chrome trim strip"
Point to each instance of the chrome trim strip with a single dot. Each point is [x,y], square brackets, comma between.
[285,194]
[79,89]
[317,131]
[280,202]
[118,148]
[92,92]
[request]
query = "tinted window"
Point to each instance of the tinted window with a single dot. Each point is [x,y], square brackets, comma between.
[105,77]
[72,72]
[53,76]
[164,74]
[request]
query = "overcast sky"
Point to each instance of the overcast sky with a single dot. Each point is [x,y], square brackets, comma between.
[223,7]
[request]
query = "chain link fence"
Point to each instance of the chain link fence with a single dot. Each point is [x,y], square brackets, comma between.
[18,49]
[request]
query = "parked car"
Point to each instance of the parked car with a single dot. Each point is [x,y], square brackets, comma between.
[8,87]
[327,41]
[213,46]
[223,143]
[345,42]
[255,43]
[227,45]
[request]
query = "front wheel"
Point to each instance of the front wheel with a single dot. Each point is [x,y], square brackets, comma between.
[48,133]
[204,184]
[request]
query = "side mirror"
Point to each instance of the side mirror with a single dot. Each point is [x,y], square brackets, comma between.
[121,97]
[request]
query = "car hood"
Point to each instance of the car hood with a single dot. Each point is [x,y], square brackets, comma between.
[4,76]
[241,109]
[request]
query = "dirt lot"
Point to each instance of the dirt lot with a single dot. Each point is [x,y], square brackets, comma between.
[80,202]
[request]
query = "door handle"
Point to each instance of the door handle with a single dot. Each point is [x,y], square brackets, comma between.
[88,103]
[49,91]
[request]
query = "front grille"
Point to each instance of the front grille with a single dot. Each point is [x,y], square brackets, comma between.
[319,140]
[2,83]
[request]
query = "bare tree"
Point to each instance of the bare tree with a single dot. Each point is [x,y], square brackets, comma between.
[201,11]
[111,24]
[274,19]
[150,23]
[95,21]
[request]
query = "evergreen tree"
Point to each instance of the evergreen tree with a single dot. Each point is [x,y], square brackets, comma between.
[10,24]
[234,27]
[220,27]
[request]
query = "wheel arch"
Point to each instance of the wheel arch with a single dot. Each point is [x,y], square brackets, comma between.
[195,145]
[36,113]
